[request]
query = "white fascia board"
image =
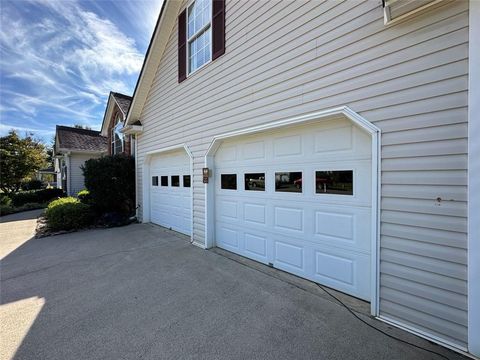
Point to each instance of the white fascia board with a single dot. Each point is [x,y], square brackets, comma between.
[108,115]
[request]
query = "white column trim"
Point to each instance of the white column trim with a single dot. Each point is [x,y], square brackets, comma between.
[474,179]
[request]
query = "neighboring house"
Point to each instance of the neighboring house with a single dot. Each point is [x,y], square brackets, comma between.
[48,176]
[334,139]
[72,148]
[113,123]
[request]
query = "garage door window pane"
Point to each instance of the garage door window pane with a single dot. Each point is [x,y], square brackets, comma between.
[229,181]
[154,180]
[175,180]
[288,182]
[186,180]
[334,182]
[255,181]
[164,180]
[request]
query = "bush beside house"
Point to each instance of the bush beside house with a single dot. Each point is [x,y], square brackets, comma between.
[28,200]
[110,181]
[109,199]
[68,214]
[36,196]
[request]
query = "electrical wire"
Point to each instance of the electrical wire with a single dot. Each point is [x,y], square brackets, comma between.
[379,330]
[345,306]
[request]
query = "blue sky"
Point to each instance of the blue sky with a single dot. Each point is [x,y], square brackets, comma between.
[60,59]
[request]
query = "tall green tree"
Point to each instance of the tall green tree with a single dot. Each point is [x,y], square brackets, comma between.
[19,159]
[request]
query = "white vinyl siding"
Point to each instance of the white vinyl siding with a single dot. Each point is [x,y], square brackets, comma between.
[77,182]
[285,59]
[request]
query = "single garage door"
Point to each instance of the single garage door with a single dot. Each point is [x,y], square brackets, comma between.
[170,191]
[299,199]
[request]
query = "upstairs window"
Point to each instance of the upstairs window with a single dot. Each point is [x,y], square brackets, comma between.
[117,137]
[201,35]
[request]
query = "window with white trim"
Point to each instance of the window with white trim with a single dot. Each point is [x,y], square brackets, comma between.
[199,34]
[117,136]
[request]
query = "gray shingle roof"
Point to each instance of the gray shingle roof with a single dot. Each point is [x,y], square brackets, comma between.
[123,101]
[80,139]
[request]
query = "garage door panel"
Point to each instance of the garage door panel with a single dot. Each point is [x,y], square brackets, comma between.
[227,237]
[322,234]
[287,146]
[351,230]
[254,213]
[256,246]
[253,150]
[289,219]
[170,206]
[343,270]
[337,139]
[290,257]
[228,209]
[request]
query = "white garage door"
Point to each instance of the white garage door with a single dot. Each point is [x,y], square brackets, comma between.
[299,199]
[170,191]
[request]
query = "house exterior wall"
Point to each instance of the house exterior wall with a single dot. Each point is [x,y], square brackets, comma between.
[76,179]
[285,59]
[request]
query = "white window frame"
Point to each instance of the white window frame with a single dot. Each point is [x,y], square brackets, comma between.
[196,35]
[118,121]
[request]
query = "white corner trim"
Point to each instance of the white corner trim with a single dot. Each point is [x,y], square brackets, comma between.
[474,179]
[69,173]
[146,180]
[136,177]
[316,116]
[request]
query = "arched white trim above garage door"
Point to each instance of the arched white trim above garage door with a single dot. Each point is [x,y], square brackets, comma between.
[146,179]
[316,117]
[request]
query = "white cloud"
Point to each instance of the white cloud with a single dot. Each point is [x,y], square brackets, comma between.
[44,133]
[63,63]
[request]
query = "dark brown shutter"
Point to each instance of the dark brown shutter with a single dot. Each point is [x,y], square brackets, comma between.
[218,28]
[182,46]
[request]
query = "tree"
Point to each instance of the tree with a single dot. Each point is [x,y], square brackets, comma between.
[19,159]
[79,126]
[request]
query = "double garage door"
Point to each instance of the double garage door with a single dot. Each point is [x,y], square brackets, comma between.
[170,191]
[300,200]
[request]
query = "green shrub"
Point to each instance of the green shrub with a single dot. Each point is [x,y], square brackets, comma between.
[33,184]
[84,196]
[6,209]
[36,196]
[5,200]
[9,209]
[111,183]
[68,214]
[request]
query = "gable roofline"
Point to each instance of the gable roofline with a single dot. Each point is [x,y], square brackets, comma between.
[109,110]
[161,33]
[78,140]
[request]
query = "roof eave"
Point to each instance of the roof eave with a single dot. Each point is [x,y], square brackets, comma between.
[153,56]
[132,129]
[107,115]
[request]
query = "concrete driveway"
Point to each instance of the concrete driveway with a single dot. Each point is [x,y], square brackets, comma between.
[143,292]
